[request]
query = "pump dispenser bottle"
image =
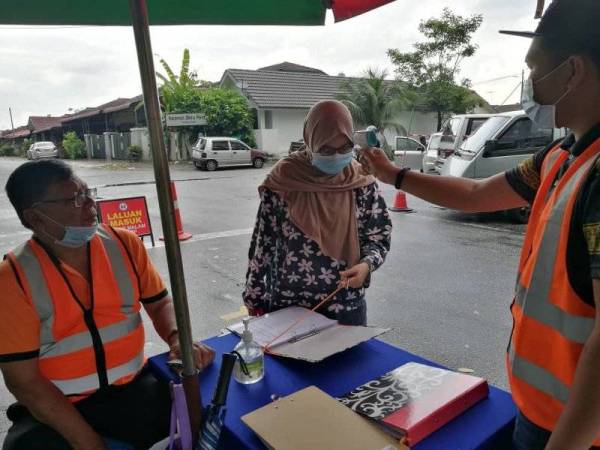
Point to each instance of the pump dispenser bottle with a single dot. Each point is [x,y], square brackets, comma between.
[250,366]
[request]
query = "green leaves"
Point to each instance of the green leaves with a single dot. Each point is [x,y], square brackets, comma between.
[73,146]
[373,100]
[431,70]
[226,111]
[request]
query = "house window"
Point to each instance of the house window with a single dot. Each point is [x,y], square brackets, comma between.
[268,119]
[254,113]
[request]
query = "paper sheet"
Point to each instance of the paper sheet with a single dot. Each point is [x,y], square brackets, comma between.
[313,339]
[266,328]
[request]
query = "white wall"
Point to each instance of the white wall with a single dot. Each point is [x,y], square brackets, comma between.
[287,127]
[141,138]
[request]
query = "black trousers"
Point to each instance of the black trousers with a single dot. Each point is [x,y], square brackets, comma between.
[137,413]
[528,436]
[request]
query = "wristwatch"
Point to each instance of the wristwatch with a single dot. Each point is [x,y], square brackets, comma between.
[400,177]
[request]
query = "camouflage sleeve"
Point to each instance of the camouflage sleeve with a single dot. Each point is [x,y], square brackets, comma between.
[525,178]
[591,221]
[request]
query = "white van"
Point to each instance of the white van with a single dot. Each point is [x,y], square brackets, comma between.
[453,133]
[501,143]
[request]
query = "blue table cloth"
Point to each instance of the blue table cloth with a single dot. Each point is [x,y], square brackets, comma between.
[488,425]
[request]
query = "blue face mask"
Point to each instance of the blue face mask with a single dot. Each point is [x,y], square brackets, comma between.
[74,237]
[544,116]
[77,236]
[331,164]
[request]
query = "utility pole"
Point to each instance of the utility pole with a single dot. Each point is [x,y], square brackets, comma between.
[522,81]
[11,119]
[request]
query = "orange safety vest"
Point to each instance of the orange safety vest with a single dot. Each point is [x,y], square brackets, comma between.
[551,322]
[83,351]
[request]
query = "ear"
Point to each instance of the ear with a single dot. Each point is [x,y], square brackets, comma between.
[32,219]
[580,68]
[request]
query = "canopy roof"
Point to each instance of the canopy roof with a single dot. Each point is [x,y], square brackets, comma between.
[182,12]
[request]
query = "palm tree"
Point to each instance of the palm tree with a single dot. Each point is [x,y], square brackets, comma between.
[174,87]
[373,100]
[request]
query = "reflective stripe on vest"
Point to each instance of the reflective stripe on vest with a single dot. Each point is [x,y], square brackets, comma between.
[90,382]
[42,301]
[550,160]
[535,300]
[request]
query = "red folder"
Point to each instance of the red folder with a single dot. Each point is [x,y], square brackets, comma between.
[414,400]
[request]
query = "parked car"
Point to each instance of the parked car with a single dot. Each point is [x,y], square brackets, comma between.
[435,146]
[295,146]
[209,153]
[499,144]
[42,149]
[454,131]
[409,152]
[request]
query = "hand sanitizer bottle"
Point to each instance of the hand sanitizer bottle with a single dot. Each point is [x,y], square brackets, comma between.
[250,366]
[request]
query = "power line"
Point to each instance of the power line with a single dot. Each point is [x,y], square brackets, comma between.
[512,92]
[497,79]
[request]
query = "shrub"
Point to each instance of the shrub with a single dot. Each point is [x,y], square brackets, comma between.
[135,153]
[73,146]
[7,150]
[25,146]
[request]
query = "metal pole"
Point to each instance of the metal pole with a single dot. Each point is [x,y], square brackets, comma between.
[12,125]
[412,116]
[139,16]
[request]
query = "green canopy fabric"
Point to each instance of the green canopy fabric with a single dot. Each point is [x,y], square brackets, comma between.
[182,12]
[164,12]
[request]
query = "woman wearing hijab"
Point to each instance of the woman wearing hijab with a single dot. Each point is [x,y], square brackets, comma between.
[321,223]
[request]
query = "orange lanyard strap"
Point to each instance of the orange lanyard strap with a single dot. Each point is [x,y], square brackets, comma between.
[305,316]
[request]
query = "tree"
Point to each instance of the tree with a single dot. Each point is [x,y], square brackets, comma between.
[227,114]
[373,100]
[176,89]
[226,111]
[432,68]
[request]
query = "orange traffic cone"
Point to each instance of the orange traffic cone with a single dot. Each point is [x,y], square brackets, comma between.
[400,204]
[182,235]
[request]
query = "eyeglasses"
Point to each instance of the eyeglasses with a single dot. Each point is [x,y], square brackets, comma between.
[346,148]
[78,199]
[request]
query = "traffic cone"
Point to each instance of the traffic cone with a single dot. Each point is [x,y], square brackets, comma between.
[400,204]
[182,235]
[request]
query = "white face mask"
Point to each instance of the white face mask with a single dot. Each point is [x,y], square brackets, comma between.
[544,116]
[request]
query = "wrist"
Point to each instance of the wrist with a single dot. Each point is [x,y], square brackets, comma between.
[367,263]
[399,179]
[173,338]
[389,177]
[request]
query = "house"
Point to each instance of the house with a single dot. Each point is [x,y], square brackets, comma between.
[46,128]
[280,96]
[118,115]
[15,137]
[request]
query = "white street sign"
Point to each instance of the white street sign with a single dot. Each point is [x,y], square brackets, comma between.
[184,120]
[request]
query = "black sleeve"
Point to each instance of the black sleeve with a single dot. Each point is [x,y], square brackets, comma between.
[590,202]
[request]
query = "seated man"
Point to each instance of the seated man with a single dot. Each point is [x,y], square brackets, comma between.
[71,333]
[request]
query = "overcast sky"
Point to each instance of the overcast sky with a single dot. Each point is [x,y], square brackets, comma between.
[47,70]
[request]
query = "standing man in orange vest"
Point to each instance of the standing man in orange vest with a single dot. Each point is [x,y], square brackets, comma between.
[554,352]
[71,332]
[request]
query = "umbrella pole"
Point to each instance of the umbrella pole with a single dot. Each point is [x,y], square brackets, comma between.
[139,16]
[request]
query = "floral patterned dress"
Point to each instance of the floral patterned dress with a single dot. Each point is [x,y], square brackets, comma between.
[288,268]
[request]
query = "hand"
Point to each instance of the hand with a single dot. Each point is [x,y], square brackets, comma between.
[375,162]
[355,276]
[203,354]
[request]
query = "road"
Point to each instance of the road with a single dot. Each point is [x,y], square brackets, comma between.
[444,290]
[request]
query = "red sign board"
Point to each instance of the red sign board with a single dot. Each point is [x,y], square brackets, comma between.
[129,213]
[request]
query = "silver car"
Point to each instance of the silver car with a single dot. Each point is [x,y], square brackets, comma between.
[210,153]
[42,149]
[408,152]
